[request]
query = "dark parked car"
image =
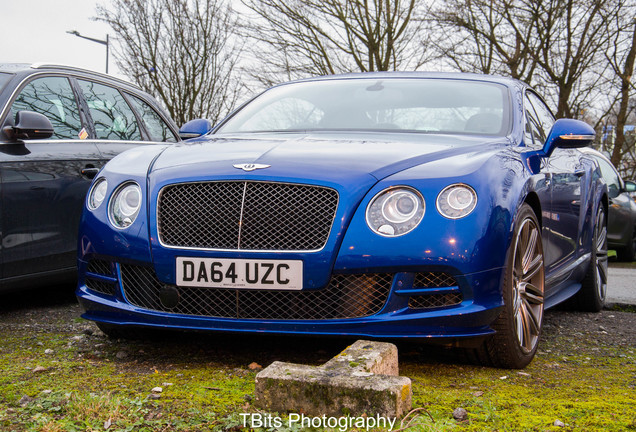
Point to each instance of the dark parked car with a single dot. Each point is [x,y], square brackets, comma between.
[435,206]
[621,226]
[59,126]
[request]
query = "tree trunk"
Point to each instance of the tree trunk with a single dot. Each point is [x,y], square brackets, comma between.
[621,118]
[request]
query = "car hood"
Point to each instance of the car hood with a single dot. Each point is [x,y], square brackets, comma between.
[351,164]
[306,157]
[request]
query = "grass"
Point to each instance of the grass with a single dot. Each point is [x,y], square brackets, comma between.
[90,383]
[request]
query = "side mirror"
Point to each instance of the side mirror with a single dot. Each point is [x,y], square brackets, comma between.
[195,128]
[568,133]
[29,125]
[630,186]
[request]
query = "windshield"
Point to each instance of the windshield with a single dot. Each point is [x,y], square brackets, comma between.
[371,104]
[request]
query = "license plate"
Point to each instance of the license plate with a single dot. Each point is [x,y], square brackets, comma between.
[240,273]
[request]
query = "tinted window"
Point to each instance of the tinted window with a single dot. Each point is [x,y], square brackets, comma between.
[156,127]
[113,118]
[544,116]
[534,132]
[413,105]
[53,97]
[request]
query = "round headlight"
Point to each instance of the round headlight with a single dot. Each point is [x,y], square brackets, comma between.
[97,194]
[395,211]
[456,201]
[125,205]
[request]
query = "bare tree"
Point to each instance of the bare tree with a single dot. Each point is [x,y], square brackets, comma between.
[621,57]
[487,36]
[297,38]
[572,39]
[557,45]
[184,52]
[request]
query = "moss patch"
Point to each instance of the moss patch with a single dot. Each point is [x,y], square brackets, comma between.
[55,378]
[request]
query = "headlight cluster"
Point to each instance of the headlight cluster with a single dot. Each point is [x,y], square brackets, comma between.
[456,201]
[395,211]
[97,194]
[398,210]
[124,204]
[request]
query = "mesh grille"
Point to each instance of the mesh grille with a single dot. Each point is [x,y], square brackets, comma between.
[434,300]
[429,301]
[346,296]
[246,215]
[434,280]
[100,267]
[101,286]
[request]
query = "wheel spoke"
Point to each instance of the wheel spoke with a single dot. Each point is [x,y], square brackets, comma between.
[532,294]
[520,328]
[527,328]
[530,247]
[516,304]
[602,238]
[535,266]
[533,319]
[602,269]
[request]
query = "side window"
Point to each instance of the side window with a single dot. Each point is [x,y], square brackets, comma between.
[156,127]
[545,117]
[534,133]
[54,98]
[611,178]
[112,117]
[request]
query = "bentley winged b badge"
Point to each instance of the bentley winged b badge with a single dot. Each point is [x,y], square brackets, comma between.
[250,166]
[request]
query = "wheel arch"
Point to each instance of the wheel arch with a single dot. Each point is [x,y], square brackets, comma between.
[605,203]
[532,199]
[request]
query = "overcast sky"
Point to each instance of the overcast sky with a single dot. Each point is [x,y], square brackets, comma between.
[35,31]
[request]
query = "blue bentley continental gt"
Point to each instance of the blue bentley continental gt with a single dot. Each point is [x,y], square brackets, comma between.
[384,205]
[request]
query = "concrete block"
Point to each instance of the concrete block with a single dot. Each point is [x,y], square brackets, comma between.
[362,379]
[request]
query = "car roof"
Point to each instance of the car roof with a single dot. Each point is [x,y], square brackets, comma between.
[417,74]
[27,68]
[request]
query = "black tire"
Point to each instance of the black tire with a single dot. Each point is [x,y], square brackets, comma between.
[627,252]
[518,327]
[591,296]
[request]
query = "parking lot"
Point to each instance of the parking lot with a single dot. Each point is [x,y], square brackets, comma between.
[622,284]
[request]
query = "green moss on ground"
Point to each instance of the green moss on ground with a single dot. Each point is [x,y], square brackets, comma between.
[90,383]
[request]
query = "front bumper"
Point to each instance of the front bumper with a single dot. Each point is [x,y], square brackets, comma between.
[465,310]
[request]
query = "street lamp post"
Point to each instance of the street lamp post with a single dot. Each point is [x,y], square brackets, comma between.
[99,41]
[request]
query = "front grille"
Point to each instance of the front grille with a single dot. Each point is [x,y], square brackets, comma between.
[434,299]
[101,287]
[101,267]
[346,296]
[246,215]
[433,280]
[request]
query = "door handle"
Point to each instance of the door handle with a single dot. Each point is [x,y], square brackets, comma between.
[90,172]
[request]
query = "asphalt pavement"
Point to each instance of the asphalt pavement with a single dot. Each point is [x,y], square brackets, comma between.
[621,286]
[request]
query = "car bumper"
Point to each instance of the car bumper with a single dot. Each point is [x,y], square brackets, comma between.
[477,306]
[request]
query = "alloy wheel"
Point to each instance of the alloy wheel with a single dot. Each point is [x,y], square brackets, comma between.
[600,256]
[528,285]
